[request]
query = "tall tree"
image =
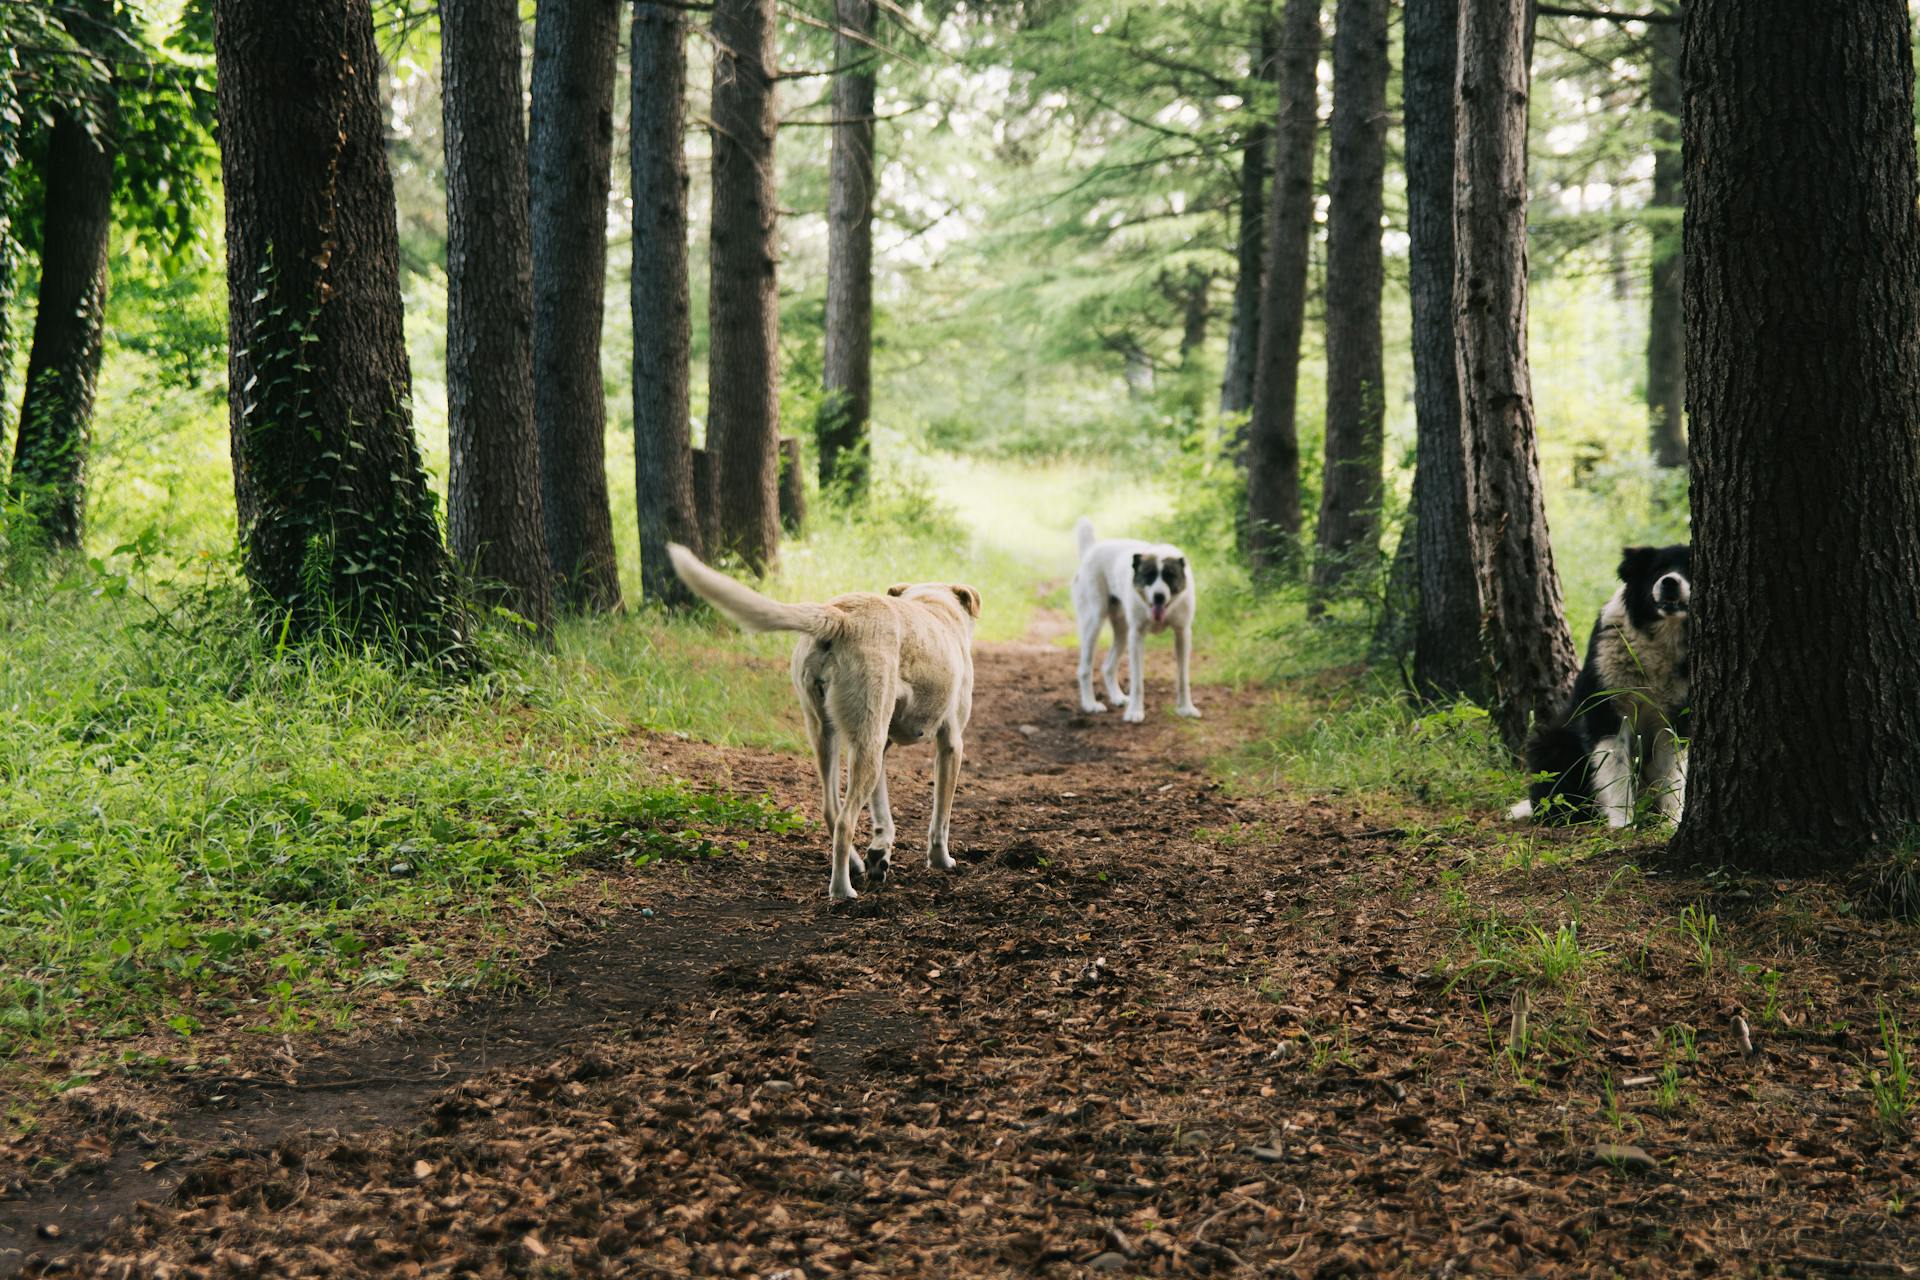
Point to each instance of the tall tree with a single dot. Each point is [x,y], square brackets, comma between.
[1524,628]
[1243,331]
[56,408]
[1666,325]
[743,373]
[494,520]
[1446,630]
[848,358]
[569,173]
[662,313]
[337,526]
[1352,482]
[1273,440]
[1803,363]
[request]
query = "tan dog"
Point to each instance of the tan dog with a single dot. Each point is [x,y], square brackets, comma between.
[870,670]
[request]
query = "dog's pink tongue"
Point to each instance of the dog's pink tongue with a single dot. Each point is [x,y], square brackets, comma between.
[1159,613]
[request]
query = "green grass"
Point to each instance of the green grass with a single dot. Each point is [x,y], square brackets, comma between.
[188,813]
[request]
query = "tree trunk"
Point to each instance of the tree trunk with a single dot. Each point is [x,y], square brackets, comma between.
[1524,628]
[1348,536]
[1447,661]
[570,159]
[1196,309]
[662,312]
[56,408]
[337,527]
[1273,441]
[844,442]
[743,370]
[793,485]
[1666,323]
[1243,331]
[1803,362]
[494,518]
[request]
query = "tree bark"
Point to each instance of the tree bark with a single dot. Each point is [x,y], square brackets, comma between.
[63,368]
[1803,364]
[844,441]
[1666,322]
[1243,331]
[494,518]
[337,527]
[1196,309]
[1273,442]
[1523,626]
[569,174]
[670,511]
[743,372]
[1348,536]
[1447,661]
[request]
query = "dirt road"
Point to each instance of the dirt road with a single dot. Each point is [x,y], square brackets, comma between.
[1146,1028]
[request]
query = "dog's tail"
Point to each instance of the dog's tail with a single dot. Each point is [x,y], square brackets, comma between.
[753,611]
[1083,534]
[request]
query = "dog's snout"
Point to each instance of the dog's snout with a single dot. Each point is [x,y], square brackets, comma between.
[1672,589]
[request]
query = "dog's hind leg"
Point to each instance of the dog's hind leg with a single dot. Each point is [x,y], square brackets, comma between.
[1090,623]
[1182,655]
[949,750]
[1613,776]
[826,761]
[880,844]
[863,765]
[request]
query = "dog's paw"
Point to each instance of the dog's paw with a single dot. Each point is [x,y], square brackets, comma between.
[938,859]
[1520,812]
[857,865]
[1190,711]
[1135,715]
[879,865]
[1619,818]
[841,893]
[1093,708]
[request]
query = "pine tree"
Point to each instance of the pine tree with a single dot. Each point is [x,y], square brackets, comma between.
[1803,361]
[570,160]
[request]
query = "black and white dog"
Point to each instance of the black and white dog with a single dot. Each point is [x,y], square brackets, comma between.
[1627,721]
[1138,588]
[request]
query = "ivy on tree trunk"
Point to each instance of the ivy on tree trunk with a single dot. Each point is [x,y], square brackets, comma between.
[337,525]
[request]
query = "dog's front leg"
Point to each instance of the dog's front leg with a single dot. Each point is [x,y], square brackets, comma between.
[948,752]
[1182,654]
[1136,676]
[1089,640]
[880,844]
[1613,776]
[1669,774]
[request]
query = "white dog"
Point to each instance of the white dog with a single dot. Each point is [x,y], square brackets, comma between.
[1141,588]
[870,670]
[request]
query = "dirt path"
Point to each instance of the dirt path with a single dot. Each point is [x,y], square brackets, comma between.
[1146,1028]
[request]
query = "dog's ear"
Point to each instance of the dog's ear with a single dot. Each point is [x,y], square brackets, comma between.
[899,588]
[1175,562]
[968,597]
[1635,561]
[1138,556]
